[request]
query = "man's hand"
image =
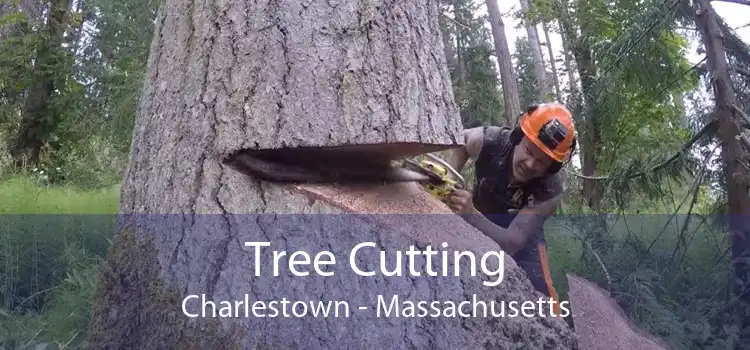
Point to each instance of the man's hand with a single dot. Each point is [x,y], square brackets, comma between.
[460,201]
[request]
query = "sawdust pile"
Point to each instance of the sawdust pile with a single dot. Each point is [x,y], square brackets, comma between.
[601,324]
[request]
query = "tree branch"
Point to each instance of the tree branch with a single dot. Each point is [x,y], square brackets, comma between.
[741,71]
[454,21]
[709,127]
[741,2]
[745,141]
[742,114]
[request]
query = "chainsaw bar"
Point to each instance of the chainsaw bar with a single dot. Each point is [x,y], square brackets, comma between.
[344,170]
[412,165]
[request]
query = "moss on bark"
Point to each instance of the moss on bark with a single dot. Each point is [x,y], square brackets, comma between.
[130,283]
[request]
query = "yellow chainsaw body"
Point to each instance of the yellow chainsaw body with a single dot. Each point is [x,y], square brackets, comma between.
[441,188]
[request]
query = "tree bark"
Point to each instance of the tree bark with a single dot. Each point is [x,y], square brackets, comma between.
[540,72]
[338,76]
[292,74]
[512,101]
[733,155]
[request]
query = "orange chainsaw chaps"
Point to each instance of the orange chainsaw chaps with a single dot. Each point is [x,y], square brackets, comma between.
[542,249]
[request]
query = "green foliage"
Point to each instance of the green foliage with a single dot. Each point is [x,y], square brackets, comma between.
[482,99]
[638,68]
[89,117]
[116,61]
[668,273]
[528,89]
[66,317]
[50,260]
[47,278]
[16,69]
[638,102]
[664,271]
[475,81]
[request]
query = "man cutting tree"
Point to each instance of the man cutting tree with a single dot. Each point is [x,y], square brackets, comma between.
[517,187]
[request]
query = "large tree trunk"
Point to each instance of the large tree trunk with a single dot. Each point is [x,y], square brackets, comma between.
[292,75]
[512,101]
[346,77]
[540,72]
[733,155]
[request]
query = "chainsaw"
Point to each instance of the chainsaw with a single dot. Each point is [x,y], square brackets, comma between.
[443,178]
[335,166]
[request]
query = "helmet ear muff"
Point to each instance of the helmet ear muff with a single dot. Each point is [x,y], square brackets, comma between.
[556,166]
[516,135]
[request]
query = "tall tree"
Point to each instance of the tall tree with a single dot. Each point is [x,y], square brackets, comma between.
[734,157]
[116,66]
[552,62]
[529,90]
[570,69]
[511,99]
[540,72]
[39,117]
[476,87]
[590,138]
[449,45]
[373,77]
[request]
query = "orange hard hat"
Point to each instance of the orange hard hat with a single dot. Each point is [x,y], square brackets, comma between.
[550,127]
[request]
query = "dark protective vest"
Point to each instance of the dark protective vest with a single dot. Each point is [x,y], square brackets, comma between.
[493,197]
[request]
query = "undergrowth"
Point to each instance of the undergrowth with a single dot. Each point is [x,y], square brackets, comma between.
[49,254]
[671,278]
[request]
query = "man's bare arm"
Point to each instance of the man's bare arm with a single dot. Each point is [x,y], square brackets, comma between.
[528,221]
[473,139]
